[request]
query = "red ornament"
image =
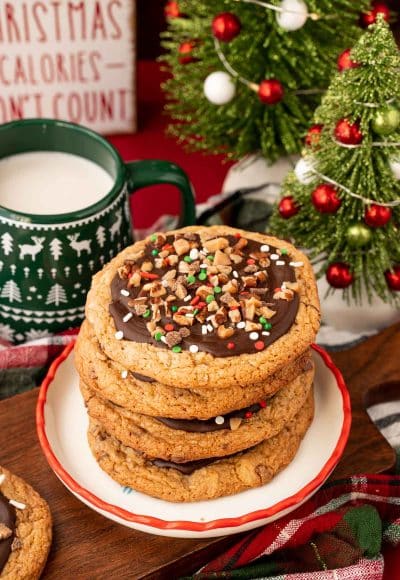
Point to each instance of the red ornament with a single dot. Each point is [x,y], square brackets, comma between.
[185,52]
[325,199]
[288,207]
[339,275]
[313,135]
[370,17]
[393,278]
[270,91]
[348,133]
[226,26]
[377,216]
[171,9]
[344,61]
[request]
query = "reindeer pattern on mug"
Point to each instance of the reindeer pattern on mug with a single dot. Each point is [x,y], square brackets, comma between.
[49,268]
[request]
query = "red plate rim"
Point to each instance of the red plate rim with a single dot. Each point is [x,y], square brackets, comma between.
[154,522]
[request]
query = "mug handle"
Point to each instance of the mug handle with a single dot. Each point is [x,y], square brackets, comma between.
[147,172]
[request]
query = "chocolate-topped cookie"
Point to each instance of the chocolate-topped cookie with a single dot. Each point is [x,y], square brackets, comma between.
[205,307]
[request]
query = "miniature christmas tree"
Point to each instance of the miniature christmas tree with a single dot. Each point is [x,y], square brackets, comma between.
[248,74]
[342,201]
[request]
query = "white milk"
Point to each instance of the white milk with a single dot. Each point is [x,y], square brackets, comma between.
[49,182]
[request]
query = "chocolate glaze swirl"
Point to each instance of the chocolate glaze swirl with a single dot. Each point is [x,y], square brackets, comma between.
[7,518]
[284,317]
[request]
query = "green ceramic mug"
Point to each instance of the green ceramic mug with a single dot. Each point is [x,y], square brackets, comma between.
[47,259]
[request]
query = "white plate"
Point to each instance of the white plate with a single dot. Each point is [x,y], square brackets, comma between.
[62,424]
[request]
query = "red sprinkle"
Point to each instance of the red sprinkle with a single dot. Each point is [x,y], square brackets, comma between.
[234,308]
[250,261]
[169,327]
[259,345]
[167,247]
[237,235]
[195,300]
[201,305]
[277,289]
[230,345]
[248,415]
[262,404]
[149,276]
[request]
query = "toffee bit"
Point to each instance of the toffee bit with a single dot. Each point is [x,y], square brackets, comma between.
[173,338]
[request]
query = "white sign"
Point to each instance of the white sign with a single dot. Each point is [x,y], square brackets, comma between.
[69,59]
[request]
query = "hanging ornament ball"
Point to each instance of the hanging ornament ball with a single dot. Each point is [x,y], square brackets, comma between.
[313,135]
[288,207]
[348,133]
[171,9]
[293,14]
[270,91]
[226,26]
[219,88]
[345,62]
[393,278]
[358,235]
[304,170]
[394,163]
[185,52]
[377,216]
[370,17]
[386,120]
[325,199]
[339,275]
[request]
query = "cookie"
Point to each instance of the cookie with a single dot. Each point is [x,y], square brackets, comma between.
[25,529]
[114,382]
[205,307]
[231,475]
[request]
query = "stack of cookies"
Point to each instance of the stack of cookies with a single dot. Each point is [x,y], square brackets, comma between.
[195,364]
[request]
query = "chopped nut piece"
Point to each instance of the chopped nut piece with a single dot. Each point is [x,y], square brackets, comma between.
[170,275]
[250,269]
[164,254]
[231,287]
[236,258]
[221,259]
[240,244]
[216,244]
[228,299]
[235,316]
[134,280]
[5,532]
[261,277]
[251,326]
[292,286]
[181,246]
[250,306]
[223,279]
[213,306]
[173,338]
[159,263]
[173,259]
[250,281]
[284,294]
[151,327]
[182,320]
[225,331]
[180,291]
[146,267]
[183,268]
[234,423]
[266,312]
[220,316]
[225,270]
[214,280]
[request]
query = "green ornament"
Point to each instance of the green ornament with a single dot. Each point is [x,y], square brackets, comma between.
[358,235]
[386,120]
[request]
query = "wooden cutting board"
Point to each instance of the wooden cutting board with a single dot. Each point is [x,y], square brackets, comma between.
[88,546]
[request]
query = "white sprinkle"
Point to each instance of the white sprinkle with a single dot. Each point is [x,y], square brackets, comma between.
[165,283]
[124,292]
[194,348]
[253,335]
[219,420]
[280,263]
[235,274]
[210,328]
[204,266]
[210,317]
[283,287]
[187,298]
[264,248]
[119,335]
[164,339]
[2,478]
[189,315]
[296,264]
[127,317]
[265,333]
[194,253]
[124,374]
[241,324]
[204,329]
[274,257]
[17,504]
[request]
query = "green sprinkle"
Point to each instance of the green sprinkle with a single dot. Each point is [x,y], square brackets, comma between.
[188,259]
[174,308]
[191,279]
[202,276]
[196,311]
[210,257]
[153,238]
[267,326]
[284,251]
[158,336]
[217,289]
[176,348]
[146,314]
[154,252]
[209,298]
[262,320]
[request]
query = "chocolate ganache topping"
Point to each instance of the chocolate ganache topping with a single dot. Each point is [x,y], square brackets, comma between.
[227,295]
[7,529]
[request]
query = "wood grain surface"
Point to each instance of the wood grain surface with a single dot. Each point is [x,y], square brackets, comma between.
[88,546]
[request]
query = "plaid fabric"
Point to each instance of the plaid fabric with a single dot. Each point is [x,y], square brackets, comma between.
[338,534]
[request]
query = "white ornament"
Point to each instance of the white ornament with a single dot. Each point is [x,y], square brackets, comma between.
[304,170]
[293,16]
[394,163]
[219,88]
